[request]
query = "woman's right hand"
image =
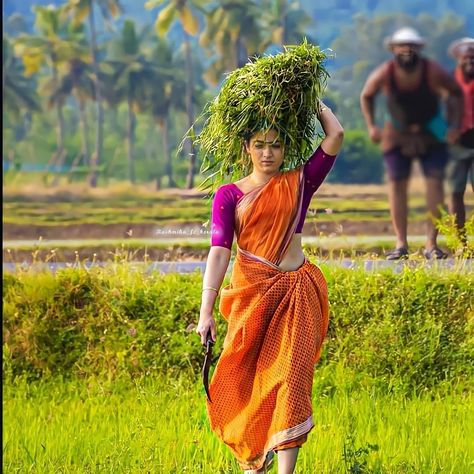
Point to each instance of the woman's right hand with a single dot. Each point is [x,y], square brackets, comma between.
[205,325]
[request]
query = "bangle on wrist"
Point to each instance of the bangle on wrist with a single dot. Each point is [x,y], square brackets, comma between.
[210,288]
[322,108]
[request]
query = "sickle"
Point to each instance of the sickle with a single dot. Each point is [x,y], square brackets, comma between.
[207,365]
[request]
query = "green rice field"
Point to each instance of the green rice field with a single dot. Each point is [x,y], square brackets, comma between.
[164,209]
[160,426]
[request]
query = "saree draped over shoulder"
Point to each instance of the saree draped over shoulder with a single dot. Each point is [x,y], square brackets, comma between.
[277,320]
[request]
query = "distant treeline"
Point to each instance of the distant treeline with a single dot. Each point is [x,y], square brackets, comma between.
[107,89]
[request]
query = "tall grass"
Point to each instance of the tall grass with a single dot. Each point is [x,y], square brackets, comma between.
[403,333]
[160,426]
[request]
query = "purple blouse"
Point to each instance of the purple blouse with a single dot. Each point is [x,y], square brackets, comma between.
[226,197]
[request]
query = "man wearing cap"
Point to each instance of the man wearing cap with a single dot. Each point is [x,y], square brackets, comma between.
[414,128]
[461,162]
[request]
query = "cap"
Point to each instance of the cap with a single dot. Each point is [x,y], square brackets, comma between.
[461,46]
[404,36]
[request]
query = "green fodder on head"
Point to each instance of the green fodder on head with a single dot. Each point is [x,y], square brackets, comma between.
[279,92]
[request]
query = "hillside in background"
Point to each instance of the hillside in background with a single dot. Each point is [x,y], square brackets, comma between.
[331,16]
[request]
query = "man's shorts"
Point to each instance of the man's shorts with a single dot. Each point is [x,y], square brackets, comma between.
[460,165]
[432,163]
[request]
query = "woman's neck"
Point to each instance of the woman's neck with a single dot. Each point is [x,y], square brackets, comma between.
[259,178]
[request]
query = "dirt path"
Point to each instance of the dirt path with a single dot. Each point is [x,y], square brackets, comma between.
[125,230]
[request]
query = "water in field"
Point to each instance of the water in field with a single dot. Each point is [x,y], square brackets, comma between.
[190,267]
[332,244]
[317,241]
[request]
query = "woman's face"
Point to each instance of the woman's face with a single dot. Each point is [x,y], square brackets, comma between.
[266,151]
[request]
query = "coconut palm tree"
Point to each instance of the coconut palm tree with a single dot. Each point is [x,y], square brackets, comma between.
[132,72]
[184,11]
[20,98]
[165,93]
[54,45]
[233,32]
[19,91]
[284,23]
[236,30]
[79,10]
[78,82]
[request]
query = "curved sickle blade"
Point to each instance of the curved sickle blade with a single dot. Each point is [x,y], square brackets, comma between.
[207,365]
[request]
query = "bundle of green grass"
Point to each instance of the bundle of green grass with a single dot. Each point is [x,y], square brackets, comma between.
[280,92]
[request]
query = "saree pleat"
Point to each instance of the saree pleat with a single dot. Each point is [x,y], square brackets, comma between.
[277,320]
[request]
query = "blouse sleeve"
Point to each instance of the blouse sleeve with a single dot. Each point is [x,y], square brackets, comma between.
[317,168]
[223,218]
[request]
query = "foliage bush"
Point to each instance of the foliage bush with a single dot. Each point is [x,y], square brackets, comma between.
[410,331]
[406,332]
[359,161]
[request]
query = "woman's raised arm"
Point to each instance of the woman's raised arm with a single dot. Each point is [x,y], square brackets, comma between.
[334,133]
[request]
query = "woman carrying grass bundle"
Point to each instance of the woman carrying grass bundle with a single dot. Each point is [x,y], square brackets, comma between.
[276,304]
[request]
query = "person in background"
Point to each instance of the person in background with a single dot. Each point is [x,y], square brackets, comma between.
[461,163]
[415,88]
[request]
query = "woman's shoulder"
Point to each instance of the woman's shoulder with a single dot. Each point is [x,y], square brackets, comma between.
[228,192]
[227,188]
[319,153]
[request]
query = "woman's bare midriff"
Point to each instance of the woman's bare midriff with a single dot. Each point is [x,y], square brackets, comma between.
[294,256]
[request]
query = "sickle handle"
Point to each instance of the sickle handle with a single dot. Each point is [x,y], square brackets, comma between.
[207,365]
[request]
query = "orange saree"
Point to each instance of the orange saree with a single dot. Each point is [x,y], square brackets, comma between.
[277,320]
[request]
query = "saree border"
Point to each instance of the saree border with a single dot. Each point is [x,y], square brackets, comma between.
[247,200]
[281,437]
[290,433]
[297,214]
[257,258]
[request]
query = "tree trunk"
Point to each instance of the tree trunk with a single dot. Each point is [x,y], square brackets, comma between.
[113,119]
[163,124]
[59,112]
[60,130]
[284,28]
[59,156]
[189,111]
[158,183]
[149,145]
[131,124]
[241,55]
[84,154]
[236,52]
[96,158]
[61,153]
[85,131]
